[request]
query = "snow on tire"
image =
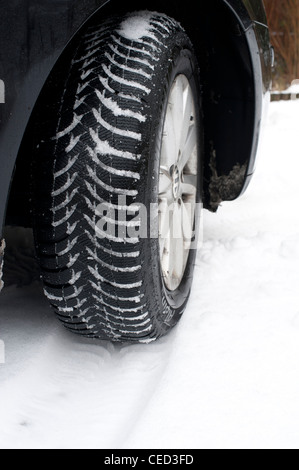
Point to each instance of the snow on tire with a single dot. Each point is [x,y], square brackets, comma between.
[106,153]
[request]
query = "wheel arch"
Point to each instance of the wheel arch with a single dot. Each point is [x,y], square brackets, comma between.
[228,93]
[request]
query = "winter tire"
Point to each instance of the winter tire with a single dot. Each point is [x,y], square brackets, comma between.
[128,136]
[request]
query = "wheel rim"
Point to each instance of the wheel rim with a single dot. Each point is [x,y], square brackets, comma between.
[178,182]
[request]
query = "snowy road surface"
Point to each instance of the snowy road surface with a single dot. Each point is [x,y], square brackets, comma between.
[227,377]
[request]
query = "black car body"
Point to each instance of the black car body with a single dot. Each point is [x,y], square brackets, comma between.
[232,42]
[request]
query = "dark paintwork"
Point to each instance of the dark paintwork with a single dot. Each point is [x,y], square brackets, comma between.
[34,33]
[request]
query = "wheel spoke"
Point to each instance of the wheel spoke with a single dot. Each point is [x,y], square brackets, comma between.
[189,185]
[177,113]
[165,171]
[178,245]
[179,260]
[189,147]
[187,223]
[187,116]
[177,225]
[164,218]
[169,149]
[165,186]
[165,252]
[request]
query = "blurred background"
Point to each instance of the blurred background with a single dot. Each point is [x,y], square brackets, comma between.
[283,18]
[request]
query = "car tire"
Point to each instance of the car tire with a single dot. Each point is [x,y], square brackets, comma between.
[105,157]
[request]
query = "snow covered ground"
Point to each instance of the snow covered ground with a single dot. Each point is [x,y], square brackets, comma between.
[227,377]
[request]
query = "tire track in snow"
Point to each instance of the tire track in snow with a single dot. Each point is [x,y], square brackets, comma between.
[58,383]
